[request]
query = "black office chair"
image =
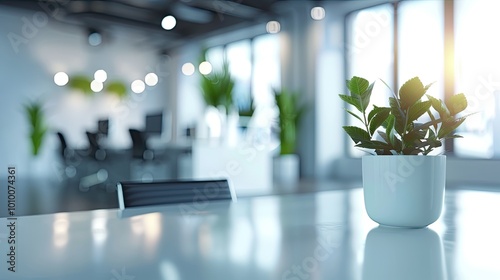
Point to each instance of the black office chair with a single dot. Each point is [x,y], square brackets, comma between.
[96,171]
[135,194]
[63,145]
[148,164]
[139,145]
[69,157]
[95,149]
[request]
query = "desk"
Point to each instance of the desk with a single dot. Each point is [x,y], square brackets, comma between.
[323,235]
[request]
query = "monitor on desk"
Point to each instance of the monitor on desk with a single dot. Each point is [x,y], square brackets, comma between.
[103,127]
[154,124]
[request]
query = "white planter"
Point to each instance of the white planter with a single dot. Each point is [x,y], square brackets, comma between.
[286,168]
[404,191]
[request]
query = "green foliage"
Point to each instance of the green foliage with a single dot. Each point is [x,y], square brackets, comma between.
[38,129]
[117,88]
[81,83]
[247,109]
[290,113]
[217,87]
[397,125]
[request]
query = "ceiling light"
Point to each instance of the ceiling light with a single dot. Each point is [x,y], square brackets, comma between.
[61,79]
[318,13]
[273,27]
[188,69]
[168,22]
[151,79]
[100,76]
[205,68]
[96,86]
[138,86]
[95,38]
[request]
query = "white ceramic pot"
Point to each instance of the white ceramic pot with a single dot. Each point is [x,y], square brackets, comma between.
[286,168]
[404,191]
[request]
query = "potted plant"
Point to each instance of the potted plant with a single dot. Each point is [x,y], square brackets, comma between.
[404,183]
[217,90]
[35,116]
[287,164]
[245,112]
[38,128]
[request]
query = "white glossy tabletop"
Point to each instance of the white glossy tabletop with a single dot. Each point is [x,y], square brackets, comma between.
[324,235]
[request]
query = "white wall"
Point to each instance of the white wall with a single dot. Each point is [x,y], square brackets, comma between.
[43,47]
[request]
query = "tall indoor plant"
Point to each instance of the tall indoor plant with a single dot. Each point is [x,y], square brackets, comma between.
[217,87]
[38,128]
[403,184]
[290,111]
[217,90]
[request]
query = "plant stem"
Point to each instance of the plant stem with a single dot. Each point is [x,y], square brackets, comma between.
[404,132]
[366,124]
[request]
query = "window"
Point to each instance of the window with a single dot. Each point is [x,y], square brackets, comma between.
[267,69]
[370,53]
[255,67]
[239,56]
[418,46]
[477,75]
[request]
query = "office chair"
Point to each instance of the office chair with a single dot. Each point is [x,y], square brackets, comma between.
[64,145]
[147,164]
[96,173]
[139,145]
[136,194]
[95,149]
[68,156]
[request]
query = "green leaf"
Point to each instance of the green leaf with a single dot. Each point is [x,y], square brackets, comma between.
[357,85]
[376,145]
[354,115]
[417,110]
[400,116]
[433,119]
[389,131]
[357,134]
[449,126]
[411,151]
[351,100]
[373,112]
[413,135]
[410,92]
[456,103]
[365,97]
[440,107]
[377,120]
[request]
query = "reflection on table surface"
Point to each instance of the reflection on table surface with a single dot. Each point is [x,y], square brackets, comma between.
[322,235]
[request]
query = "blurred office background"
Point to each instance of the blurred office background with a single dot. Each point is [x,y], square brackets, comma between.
[152,82]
